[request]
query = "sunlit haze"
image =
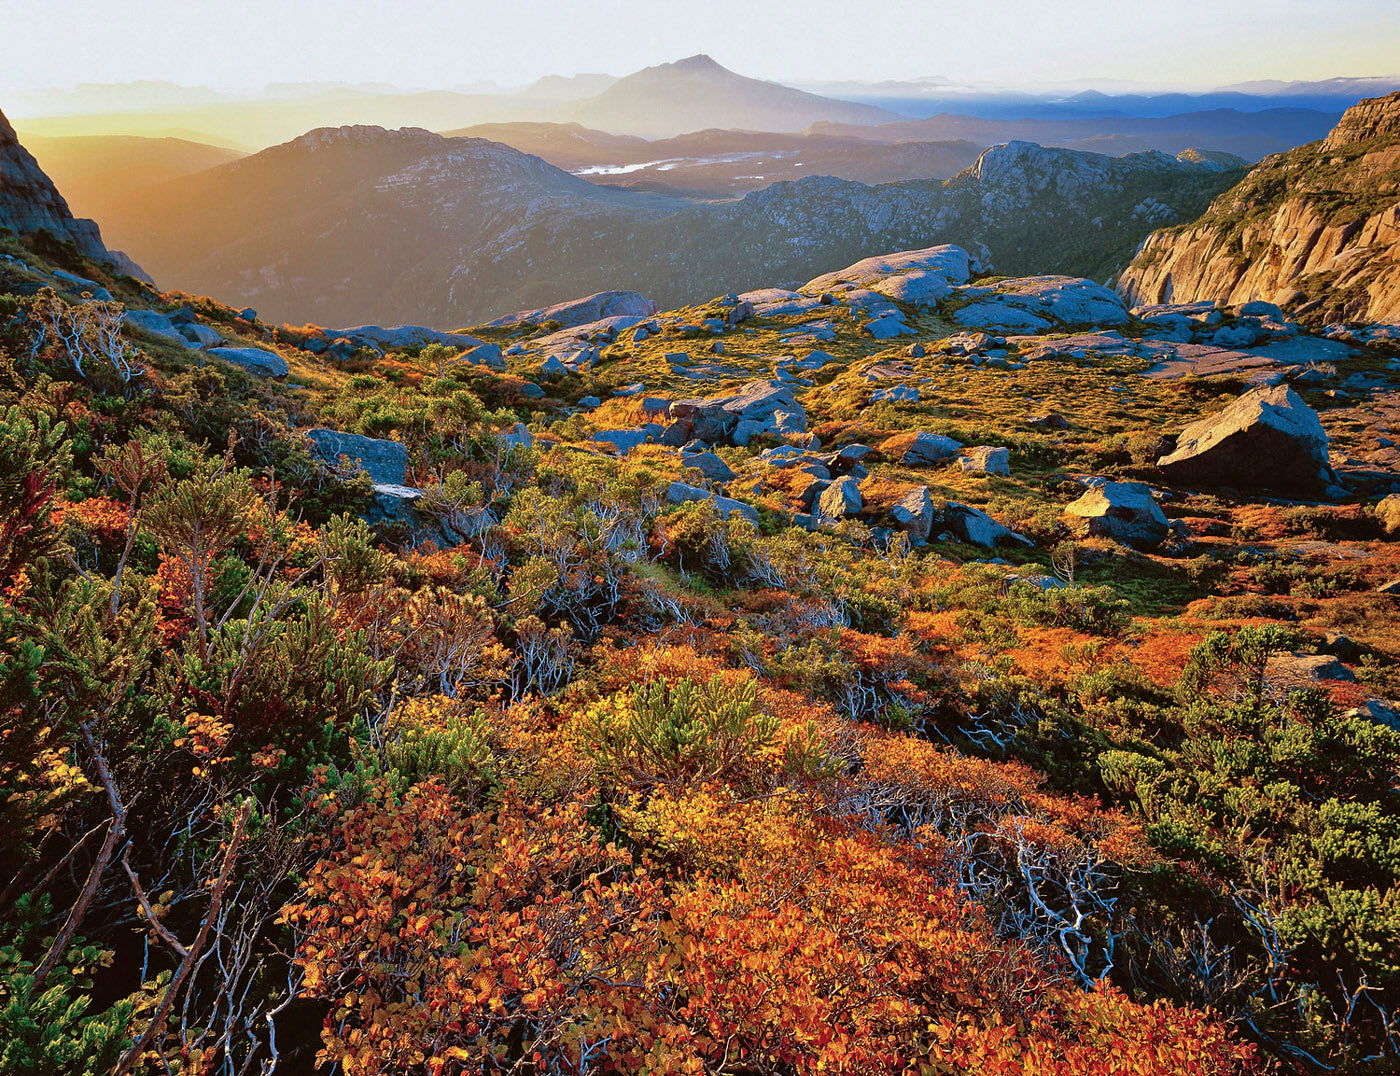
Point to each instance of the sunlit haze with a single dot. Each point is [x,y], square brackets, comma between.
[454,43]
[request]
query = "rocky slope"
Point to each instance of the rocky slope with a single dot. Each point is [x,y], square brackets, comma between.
[1316,230]
[352,224]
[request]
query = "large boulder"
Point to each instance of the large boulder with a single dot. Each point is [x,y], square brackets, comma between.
[621,441]
[920,449]
[604,304]
[977,528]
[1268,438]
[986,459]
[711,466]
[154,323]
[386,462]
[1122,511]
[913,513]
[911,275]
[255,360]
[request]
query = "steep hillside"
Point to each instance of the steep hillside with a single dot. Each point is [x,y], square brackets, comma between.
[1316,230]
[101,175]
[695,93]
[362,224]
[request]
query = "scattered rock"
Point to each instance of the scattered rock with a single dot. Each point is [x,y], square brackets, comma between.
[913,513]
[1388,512]
[380,338]
[517,437]
[622,441]
[1309,668]
[386,462]
[681,492]
[1033,304]
[978,528]
[896,394]
[1053,420]
[604,304]
[710,465]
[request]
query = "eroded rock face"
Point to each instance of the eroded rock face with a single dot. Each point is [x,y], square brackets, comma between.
[1267,439]
[1317,228]
[1122,511]
[29,202]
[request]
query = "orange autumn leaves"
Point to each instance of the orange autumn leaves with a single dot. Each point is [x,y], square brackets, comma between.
[746,921]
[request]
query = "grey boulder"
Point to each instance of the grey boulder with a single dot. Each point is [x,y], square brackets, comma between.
[255,360]
[1122,511]
[386,462]
[1268,439]
[986,459]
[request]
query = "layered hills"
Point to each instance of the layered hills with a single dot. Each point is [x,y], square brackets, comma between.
[718,163]
[1316,230]
[362,223]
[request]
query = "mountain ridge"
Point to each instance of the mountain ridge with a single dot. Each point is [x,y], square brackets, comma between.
[364,223]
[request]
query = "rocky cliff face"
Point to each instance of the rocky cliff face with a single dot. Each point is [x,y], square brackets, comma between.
[30,202]
[1316,230]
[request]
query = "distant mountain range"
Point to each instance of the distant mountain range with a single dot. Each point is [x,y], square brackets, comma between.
[101,175]
[370,224]
[697,93]
[1252,135]
[656,102]
[725,164]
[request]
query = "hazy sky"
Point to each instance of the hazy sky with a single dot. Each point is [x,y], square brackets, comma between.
[243,44]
